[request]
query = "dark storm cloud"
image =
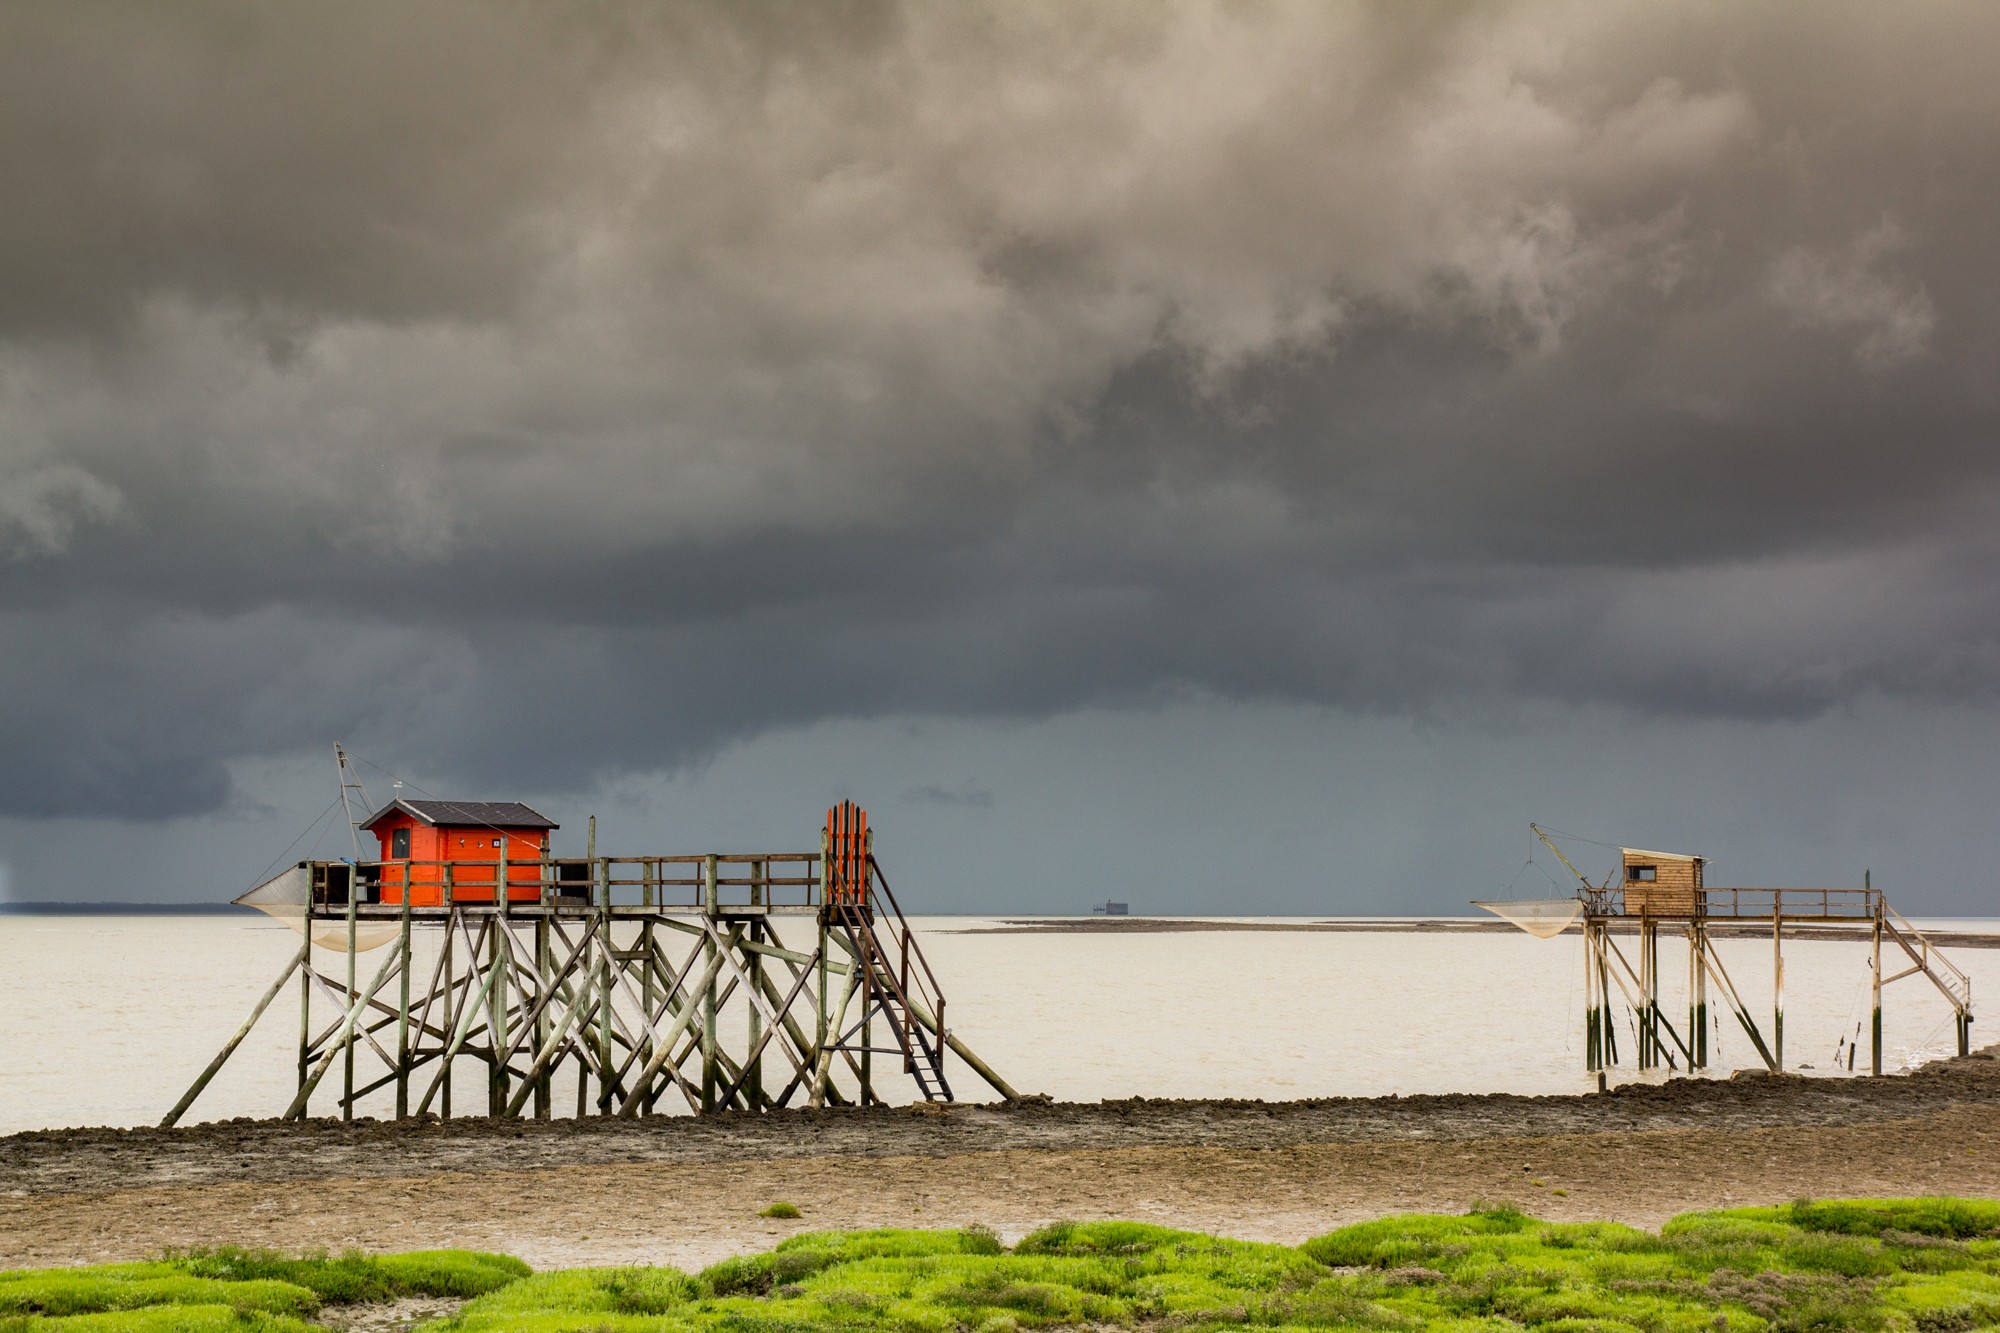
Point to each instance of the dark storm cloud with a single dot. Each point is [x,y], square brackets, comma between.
[554,391]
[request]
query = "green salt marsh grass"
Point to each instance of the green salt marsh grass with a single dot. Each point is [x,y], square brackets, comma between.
[249,1291]
[1879,1266]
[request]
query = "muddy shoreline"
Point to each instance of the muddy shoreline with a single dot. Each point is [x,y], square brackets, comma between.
[686,1191]
[58,1161]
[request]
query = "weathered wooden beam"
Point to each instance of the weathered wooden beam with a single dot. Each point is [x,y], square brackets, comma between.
[299,1103]
[229,1047]
[630,1106]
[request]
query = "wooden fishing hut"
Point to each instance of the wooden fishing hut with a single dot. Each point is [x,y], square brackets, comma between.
[614,973]
[416,840]
[1653,892]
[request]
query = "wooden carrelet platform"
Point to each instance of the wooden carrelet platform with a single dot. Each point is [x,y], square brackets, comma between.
[737,981]
[1651,892]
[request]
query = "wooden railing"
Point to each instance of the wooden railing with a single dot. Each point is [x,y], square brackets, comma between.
[1767,904]
[1728,904]
[918,983]
[1928,959]
[719,882]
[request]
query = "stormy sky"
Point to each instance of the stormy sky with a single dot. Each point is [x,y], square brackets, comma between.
[1234,457]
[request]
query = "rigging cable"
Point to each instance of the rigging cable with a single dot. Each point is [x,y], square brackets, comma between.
[265,873]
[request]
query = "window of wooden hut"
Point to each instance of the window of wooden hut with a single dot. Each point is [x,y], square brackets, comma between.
[1643,874]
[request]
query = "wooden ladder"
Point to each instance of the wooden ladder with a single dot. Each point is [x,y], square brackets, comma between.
[893,974]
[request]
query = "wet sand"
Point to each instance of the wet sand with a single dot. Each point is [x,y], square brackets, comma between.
[686,1192]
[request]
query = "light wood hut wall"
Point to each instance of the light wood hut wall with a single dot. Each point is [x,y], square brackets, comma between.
[1662,883]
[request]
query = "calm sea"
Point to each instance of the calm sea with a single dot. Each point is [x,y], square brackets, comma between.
[104,1020]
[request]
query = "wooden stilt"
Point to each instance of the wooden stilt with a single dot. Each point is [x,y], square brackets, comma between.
[347,1061]
[1698,990]
[403,1010]
[753,1069]
[1875,989]
[1606,1027]
[451,1010]
[1648,996]
[1777,989]
[1593,1002]
[305,1007]
[544,1103]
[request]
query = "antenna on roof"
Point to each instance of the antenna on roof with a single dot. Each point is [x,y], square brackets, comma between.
[350,781]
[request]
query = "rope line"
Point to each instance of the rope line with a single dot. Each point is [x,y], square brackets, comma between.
[265,873]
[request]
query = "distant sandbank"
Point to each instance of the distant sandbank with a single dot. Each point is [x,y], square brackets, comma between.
[1145,925]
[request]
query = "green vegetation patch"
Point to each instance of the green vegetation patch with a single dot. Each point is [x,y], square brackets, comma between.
[1874,1266]
[355,1278]
[250,1291]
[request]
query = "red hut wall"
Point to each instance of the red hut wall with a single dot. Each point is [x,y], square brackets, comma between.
[474,856]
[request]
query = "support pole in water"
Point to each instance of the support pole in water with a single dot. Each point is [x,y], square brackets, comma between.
[607,1083]
[1777,985]
[453,923]
[712,961]
[1647,1035]
[1694,1033]
[305,1003]
[545,983]
[821,959]
[1591,1063]
[1606,1029]
[753,1073]
[347,1064]
[1699,980]
[403,1010]
[590,927]
[1875,967]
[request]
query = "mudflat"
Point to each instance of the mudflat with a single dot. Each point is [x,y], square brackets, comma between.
[686,1191]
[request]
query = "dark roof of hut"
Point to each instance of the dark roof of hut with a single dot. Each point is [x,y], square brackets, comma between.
[466,814]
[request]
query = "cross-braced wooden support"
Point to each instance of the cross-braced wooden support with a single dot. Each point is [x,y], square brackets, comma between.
[1611,973]
[691,997]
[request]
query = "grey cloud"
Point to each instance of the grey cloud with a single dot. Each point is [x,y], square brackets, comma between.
[1846,291]
[574,391]
[968,794]
[42,502]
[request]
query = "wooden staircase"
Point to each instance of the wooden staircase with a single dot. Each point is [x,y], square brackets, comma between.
[893,980]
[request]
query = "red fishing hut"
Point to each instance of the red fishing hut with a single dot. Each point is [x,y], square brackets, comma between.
[426,843]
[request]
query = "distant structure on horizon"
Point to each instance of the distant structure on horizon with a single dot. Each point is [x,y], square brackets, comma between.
[1108,908]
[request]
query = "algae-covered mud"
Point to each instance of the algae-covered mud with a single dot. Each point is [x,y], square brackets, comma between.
[1922,1265]
[248,1290]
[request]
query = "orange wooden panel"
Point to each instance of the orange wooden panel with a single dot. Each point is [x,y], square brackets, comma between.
[847,853]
